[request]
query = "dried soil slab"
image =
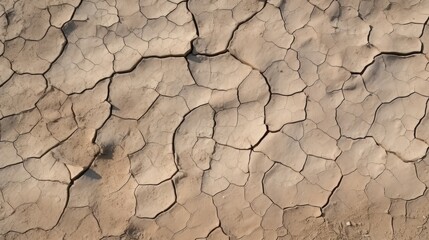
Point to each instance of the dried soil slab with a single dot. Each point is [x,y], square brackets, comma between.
[216,21]
[193,141]
[39,204]
[48,168]
[356,113]
[395,28]
[99,44]
[40,53]
[155,162]
[235,214]
[364,156]
[222,72]
[152,200]
[283,76]
[151,78]
[20,93]
[107,188]
[228,166]
[393,76]
[244,126]
[316,142]
[398,178]
[202,209]
[282,110]
[10,155]
[119,137]
[394,125]
[288,188]
[270,39]
[281,148]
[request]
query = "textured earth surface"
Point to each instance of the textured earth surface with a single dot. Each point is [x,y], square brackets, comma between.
[214,119]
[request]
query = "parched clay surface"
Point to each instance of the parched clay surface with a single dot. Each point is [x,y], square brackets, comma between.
[214,119]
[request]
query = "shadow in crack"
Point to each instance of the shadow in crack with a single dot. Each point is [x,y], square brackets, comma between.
[9,16]
[193,58]
[92,174]
[114,107]
[107,151]
[69,28]
[132,233]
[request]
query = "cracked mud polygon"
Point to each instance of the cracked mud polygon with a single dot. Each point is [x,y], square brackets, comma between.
[214,119]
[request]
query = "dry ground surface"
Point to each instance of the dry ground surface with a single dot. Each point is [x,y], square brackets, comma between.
[214,119]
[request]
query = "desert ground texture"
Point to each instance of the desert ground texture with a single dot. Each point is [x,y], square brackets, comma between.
[214,119]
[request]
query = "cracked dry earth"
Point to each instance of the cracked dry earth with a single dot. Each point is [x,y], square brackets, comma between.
[214,119]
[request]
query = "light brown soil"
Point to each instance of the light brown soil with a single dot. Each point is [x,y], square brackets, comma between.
[214,119]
